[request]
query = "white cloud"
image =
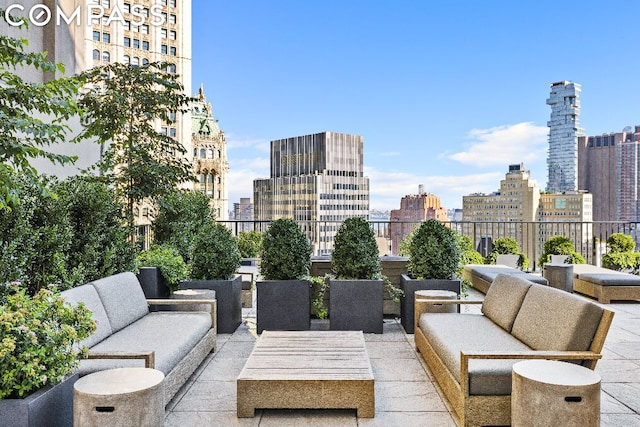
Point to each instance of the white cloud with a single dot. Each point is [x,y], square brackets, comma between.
[503,145]
[387,189]
[242,172]
[237,143]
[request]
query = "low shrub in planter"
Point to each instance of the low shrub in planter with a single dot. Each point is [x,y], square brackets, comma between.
[39,339]
[249,243]
[559,245]
[355,253]
[434,252]
[507,246]
[286,252]
[169,261]
[215,254]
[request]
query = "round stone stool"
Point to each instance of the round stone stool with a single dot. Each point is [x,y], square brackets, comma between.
[553,393]
[194,294]
[119,397]
[436,294]
[560,276]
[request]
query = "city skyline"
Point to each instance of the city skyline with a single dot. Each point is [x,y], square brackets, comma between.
[446,96]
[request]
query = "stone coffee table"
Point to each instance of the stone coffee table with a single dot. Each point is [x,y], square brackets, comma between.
[307,370]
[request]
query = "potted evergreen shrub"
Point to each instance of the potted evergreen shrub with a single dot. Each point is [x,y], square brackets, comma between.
[283,296]
[356,292]
[434,257]
[160,271]
[215,259]
[560,245]
[507,246]
[621,255]
[41,337]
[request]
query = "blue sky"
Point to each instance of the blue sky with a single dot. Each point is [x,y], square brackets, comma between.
[445,93]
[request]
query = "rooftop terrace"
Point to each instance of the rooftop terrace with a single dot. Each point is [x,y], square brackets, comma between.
[405,393]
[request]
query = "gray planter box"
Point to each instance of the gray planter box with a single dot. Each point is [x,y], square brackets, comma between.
[409,286]
[356,305]
[153,285]
[229,300]
[283,305]
[49,406]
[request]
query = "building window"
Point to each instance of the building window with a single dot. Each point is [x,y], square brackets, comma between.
[172,19]
[96,55]
[163,49]
[136,61]
[106,38]
[106,57]
[127,25]
[172,68]
[127,8]
[127,42]
[172,132]
[145,61]
[136,44]
[96,36]
[172,3]
[172,51]
[145,45]
[127,59]
[163,33]
[145,29]
[172,34]
[106,3]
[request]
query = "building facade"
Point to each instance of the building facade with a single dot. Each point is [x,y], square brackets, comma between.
[243,211]
[414,208]
[210,156]
[564,131]
[520,210]
[318,180]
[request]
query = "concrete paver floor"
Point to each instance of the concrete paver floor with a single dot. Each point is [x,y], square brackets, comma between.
[405,394]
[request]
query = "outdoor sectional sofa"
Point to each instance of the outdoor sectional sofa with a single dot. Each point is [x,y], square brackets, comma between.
[127,334]
[471,355]
[482,276]
[604,284]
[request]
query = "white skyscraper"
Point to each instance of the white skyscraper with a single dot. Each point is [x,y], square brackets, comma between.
[564,130]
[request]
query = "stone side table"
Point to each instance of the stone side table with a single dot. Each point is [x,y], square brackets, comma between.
[560,276]
[554,393]
[119,397]
[438,295]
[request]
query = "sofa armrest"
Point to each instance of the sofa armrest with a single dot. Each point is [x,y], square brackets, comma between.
[212,302]
[148,356]
[524,355]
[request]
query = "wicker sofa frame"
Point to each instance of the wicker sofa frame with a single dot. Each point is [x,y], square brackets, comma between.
[487,409]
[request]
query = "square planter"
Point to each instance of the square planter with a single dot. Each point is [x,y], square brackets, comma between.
[283,305]
[49,406]
[409,286]
[229,300]
[153,285]
[356,305]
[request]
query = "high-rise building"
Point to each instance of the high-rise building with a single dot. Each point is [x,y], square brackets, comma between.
[243,211]
[414,208]
[210,156]
[318,180]
[609,168]
[564,130]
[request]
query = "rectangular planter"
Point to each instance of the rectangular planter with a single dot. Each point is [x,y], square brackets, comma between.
[356,305]
[283,305]
[229,300]
[409,286]
[153,285]
[49,406]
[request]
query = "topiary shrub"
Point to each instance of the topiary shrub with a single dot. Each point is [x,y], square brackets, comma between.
[169,261]
[621,255]
[249,243]
[215,254]
[355,252]
[286,252]
[560,245]
[433,252]
[507,246]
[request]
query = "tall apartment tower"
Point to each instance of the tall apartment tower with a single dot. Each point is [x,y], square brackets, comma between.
[564,130]
[414,208]
[210,156]
[317,180]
